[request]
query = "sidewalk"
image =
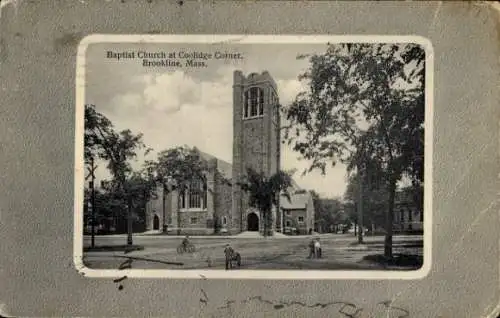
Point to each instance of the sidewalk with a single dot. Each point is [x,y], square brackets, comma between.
[218,237]
[158,235]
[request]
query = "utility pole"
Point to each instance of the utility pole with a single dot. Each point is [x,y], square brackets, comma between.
[360,204]
[125,191]
[92,207]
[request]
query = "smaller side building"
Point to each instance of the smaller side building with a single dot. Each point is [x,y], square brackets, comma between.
[298,213]
[407,216]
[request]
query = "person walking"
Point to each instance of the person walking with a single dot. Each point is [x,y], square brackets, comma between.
[311,249]
[228,253]
[317,248]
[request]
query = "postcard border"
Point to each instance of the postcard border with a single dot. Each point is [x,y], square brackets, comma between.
[79,168]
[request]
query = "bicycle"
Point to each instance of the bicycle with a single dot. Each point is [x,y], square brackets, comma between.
[189,248]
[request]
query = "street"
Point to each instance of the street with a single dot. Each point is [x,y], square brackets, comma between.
[340,252]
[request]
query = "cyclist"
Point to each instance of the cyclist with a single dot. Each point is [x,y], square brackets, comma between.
[185,242]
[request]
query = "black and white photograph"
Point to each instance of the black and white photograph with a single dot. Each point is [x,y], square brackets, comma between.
[271,156]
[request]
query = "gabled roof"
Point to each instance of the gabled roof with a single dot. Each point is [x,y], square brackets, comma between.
[227,170]
[297,201]
[224,167]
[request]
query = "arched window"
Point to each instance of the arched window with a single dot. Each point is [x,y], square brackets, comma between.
[254,102]
[205,195]
[182,198]
[194,196]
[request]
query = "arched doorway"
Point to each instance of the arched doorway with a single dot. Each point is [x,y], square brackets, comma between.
[156,222]
[252,222]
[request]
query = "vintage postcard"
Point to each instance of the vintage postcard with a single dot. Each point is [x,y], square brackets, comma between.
[267,157]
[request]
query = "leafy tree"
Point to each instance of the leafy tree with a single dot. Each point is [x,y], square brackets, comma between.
[327,212]
[374,200]
[264,192]
[117,149]
[176,169]
[364,105]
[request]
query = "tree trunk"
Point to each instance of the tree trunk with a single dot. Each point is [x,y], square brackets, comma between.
[128,201]
[129,222]
[164,224]
[360,207]
[264,221]
[179,222]
[389,220]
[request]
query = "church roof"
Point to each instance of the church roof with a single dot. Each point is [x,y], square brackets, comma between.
[294,187]
[297,201]
[224,167]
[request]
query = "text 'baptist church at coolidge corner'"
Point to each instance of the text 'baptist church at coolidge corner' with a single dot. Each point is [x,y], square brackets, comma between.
[172,55]
[169,59]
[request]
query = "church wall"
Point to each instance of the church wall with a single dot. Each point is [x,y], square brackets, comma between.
[236,220]
[154,207]
[199,226]
[223,203]
[254,150]
[254,155]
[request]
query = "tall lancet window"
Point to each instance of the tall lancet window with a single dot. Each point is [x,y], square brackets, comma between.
[205,195]
[254,102]
[182,198]
[194,196]
[261,101]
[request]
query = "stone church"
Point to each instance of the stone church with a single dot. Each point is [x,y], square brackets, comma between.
[220,204]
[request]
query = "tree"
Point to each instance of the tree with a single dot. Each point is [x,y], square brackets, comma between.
[264,192]
[327,212]
[117,149]
[364,105]
[176,169]
[374,200]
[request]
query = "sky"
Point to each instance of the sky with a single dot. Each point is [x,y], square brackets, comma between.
[175,106]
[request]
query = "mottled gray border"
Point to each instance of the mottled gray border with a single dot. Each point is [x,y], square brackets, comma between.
[38,42]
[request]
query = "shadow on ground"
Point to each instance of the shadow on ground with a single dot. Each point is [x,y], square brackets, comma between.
[114,248]
[412,262]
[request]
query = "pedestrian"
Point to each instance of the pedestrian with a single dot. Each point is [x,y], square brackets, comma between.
[229,254]
[317,248]
[311,249]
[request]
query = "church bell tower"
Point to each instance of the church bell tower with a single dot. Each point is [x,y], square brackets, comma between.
[256,142]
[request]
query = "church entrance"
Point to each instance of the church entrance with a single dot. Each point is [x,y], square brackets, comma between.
[252,222]
[156,222]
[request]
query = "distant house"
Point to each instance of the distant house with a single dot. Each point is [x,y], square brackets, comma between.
[407,216]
